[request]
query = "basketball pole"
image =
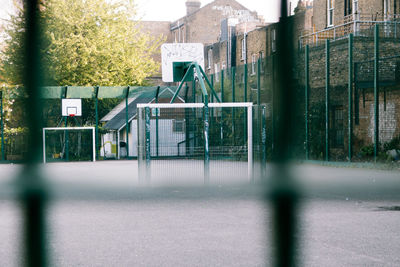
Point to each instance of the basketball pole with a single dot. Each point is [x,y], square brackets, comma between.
[66,140]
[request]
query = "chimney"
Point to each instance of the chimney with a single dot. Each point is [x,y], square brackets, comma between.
[192,6]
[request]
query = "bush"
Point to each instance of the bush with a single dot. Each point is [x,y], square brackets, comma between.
[367,151]
[392,144]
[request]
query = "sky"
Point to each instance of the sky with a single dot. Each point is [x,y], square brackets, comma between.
[5,7]
[171,10]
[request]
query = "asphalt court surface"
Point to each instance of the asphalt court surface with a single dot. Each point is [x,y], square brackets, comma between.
[227,225]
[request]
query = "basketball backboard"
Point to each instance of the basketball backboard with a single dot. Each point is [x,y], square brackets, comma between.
[71,107]
[179,52]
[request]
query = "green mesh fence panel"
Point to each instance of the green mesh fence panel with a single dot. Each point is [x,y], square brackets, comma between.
[112,92]
[239,84]
[49,92]
[68,144]
[80,92]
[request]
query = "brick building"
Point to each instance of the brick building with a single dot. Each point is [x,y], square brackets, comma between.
[203,24]
[312,26]
[336,20]
[209,24]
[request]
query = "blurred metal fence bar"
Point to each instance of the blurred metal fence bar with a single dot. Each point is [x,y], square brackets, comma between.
[284,192]
[33,192]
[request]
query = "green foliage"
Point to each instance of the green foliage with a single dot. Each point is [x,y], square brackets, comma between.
[392,144]
[85,42]
[367,151]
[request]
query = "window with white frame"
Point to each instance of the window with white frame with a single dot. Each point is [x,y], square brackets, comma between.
[209,58]
[330,6]
[386,8]
[356,16]
[347,7]
[253,64]
[216,71]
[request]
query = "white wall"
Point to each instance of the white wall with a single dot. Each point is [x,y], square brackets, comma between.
[168,139]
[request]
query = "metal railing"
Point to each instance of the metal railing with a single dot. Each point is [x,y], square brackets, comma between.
[358,25]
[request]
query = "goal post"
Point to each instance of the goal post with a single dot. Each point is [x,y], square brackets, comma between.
[63,144]
[174,138]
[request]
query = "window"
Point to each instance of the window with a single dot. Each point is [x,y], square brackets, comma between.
[273,40]
[178,126]
[330,13]
[209,58]
[253,64]
[347,7]
[355,7]
[183,34]
[216,71]
[243,56]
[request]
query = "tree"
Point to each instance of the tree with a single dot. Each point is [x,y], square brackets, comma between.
[85,42]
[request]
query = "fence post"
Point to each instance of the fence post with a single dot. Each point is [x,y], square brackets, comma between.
[327,82]
[127,121]
[306,89]
[245,100]
[376,91]
[350,97]
[96,110]
[222,100]
[2,124]
[206,143]
[66,139]
[157,109]
[212,95]
[263,142]
[147,143]
[245,82]
[258,81]
[233,99]
[356,96]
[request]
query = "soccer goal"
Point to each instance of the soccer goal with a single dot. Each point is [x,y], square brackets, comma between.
[194,142]
[69,144]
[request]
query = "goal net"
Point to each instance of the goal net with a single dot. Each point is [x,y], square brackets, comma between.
[69,144]
[193,143]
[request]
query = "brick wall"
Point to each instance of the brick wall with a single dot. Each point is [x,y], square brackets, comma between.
[368,8]
[389,117]
[363,51]
[204,25]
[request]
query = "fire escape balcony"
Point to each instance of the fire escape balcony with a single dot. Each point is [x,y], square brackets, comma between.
[358,24]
